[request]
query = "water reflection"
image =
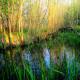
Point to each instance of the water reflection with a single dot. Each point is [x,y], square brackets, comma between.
[57,55]
[51,57]
[2,62]
[27,57]
[46,55]
[71,63]
[32,61]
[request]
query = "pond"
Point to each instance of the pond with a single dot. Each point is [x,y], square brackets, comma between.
[40,62]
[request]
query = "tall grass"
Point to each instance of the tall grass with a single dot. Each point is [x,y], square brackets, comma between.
[37,20]
[11,17]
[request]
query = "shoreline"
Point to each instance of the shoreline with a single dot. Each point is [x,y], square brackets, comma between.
[60,33]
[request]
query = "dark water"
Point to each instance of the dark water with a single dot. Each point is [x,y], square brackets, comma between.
[57,63]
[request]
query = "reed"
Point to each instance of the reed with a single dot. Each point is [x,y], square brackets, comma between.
[27,19]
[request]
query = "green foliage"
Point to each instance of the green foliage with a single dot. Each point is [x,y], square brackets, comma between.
[72,16]
[4,7]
